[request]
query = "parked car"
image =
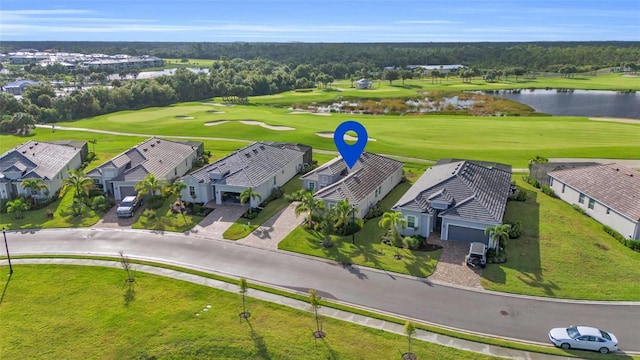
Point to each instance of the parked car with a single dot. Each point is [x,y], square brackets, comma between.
[128,206]
[477,255]
[585,338]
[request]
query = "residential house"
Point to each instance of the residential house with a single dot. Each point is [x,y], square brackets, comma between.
[458,198]
[166,159]
[261,166]
[363,84]
[38,160]
[19,86]
[609,193]
[540,172]
[307,159]
[369,181]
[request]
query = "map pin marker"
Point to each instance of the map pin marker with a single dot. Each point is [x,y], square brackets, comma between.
[350,153]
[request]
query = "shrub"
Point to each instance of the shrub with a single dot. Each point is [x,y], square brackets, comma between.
[149,214]
[412,242]
[50,213]
[519,196]
[548,191]
[531,181]
[296,195]
[515,230]
[579,209]
[374,211]
[631,244]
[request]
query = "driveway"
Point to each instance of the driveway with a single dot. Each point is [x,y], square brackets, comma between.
[272,231]
[219,220]
[111,221]
[451,268]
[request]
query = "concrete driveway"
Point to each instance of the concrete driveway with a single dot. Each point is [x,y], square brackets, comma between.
[219,220]
[272,231]
[111,221]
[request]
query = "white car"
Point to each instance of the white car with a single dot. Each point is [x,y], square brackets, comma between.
[585,338]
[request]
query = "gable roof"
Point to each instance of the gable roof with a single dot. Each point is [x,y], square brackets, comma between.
[250,166]
[21,83]
[153,156]
[37,159]
[614,185]
[369,172]
[472,191]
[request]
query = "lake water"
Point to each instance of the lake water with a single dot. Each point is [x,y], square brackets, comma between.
[577,102]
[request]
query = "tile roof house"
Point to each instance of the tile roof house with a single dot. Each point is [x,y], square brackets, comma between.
[459,198]
[609,193]
[166,159]
[19,86]
[369,181]
[260,166]
[37,160]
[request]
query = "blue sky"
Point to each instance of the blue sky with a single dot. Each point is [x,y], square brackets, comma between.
[320,21]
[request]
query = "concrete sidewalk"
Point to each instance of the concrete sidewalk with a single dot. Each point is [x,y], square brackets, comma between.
[302,305]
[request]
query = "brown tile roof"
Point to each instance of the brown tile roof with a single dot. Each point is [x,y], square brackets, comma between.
[613,185]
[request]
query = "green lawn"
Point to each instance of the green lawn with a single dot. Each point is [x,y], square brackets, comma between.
[72,312]
[62,217]
[368,249]
[428,137]
[165,220]
[563,254]
[243,227]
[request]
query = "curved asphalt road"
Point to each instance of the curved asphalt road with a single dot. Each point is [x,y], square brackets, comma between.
[513,317]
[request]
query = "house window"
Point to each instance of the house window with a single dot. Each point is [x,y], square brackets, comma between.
[608,211]
[581,198]
[192,191]
[35,192]
[563,186]
[411,222]
[591,203]
[312,185]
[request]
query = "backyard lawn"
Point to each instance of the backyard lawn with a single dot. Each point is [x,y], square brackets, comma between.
[368,249]
[73,312]
[563,254]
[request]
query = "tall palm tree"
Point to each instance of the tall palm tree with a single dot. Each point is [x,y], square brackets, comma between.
[393,221]
[93,142]
[249,194]
[344,212]
[78,182]
[34,185]
[498,233]
[150,185]
[177,188]
[308,204]
[17,207]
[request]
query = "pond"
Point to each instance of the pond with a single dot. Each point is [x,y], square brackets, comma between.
[577,102]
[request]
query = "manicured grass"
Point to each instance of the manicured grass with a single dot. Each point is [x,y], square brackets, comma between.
[428,137]
[206,63]
[368,249]
[72,312]
[62,217]
[165,220]
[563,254]
[241,227]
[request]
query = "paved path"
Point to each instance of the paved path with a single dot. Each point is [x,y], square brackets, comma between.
[495,314]
[304,306]
[218,221]
[271,232]
[451,267]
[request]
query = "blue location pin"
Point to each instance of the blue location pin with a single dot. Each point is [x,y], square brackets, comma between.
[350,153]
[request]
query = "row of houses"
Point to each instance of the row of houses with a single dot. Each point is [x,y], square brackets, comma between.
[458,199]
[71,60]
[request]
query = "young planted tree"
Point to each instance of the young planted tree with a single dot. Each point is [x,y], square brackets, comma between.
[130,292]
[410,331]
[35,186]
[247,195]
[314,300]
[243,291]
[498,233]
[392,221]
[17,207]
[151,185]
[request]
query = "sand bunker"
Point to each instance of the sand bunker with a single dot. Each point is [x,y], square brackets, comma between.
[309,112]
[215,112]
[618,120]
[216,104]
[329,134]
[214,123]
[270,127]
[184,117]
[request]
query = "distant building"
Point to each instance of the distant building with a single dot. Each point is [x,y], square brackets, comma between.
[442,68]
[19,86]
[363,84]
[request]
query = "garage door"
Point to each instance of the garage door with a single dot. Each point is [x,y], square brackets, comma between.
[127,191]
[465,234]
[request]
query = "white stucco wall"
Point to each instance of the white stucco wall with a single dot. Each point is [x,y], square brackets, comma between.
[622,224]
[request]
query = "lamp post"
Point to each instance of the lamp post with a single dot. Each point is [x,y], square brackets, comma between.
[4,234]
[353,220]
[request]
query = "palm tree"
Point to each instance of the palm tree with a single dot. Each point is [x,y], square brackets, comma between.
[249,194]
[243,291]
[498,233]
[177,188]
[314,300]
[17,207]
[310,205]
[78,182]
[392,221]
[344,212]
[35,185]
[93,142]
[150,185]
